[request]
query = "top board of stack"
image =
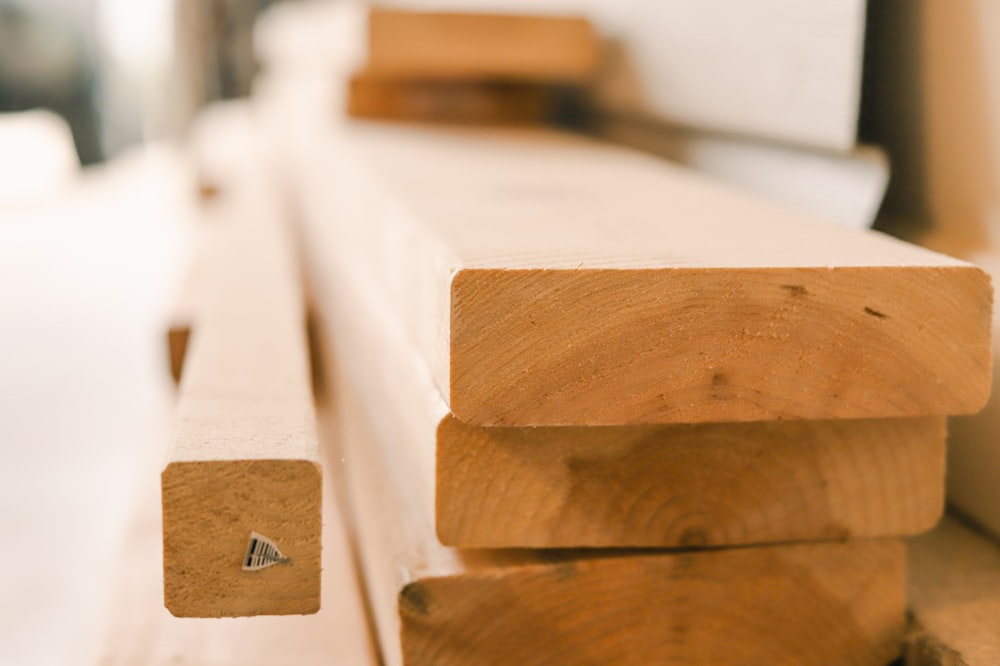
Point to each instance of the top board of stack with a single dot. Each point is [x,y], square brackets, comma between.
[830,322]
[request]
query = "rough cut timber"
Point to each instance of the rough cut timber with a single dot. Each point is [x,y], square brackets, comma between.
[646,485]
[475,102]
[954,596]
[440,45]
[826,603]
[141,632]
[243,457]
[551,280]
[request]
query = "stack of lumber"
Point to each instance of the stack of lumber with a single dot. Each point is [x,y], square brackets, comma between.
[470,68]
[594,408]
[542,342]
[590,407]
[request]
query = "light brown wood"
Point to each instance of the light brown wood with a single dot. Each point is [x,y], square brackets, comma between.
[139,631]
[954,596]
[445,45]
[243,457]
[472,102]
[550,280]
[678,485]
[826,603]
[974,445]
[647,485]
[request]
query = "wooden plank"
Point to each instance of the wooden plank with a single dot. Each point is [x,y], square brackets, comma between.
[846,188]
[550,280]
[804,604]
[647,485]
[934,81]
[243,457]
[139,631]
[452,45]
[477,102]
[954,596]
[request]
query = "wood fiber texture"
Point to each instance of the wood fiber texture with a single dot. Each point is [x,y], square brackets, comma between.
[643,485]
[550,280]
[954,597]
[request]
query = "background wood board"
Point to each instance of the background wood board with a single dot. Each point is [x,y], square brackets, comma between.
[244,454]
[817,603]
[675,485]
[139,630]
[704,485]
[455,45]
[463,102]
[974,444]
[550,280]
[954,595]
[845,188]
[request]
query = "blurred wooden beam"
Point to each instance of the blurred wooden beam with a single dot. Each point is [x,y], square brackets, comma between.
[462,102]
[443,45]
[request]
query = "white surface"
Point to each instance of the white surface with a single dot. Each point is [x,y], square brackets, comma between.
[84,394]
[37,157]
[843,188]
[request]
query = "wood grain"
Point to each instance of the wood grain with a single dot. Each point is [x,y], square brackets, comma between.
[954,596]
[454,45]
[645,485]
[243,456]
[550,280]
[139,631]
[804,604]
[464,102]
